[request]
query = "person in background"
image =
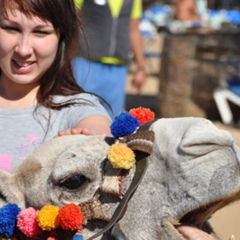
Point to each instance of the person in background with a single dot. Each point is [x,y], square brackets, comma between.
[186,11]
[112,30]
[39,96]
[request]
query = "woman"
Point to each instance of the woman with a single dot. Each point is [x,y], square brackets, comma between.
[39,97]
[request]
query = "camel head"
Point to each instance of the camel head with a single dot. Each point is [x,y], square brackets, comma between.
[193,171]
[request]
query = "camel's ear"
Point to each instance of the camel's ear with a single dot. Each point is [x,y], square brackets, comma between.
[204,138]
[110,140]
[10,190]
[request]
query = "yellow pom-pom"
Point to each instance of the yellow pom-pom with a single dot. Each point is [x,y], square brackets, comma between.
[121,156]
[47,217]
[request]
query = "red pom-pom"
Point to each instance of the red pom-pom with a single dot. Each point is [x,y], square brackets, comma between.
[70,217]
[143,115]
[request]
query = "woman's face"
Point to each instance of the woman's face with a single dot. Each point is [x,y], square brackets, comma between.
[28,46]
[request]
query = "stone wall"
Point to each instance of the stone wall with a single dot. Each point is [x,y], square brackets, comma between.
[190,71]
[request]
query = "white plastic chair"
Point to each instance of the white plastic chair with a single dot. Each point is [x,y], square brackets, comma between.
[222,96]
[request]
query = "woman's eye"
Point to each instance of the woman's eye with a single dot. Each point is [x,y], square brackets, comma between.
[41,33]
[11,29]
[75,182]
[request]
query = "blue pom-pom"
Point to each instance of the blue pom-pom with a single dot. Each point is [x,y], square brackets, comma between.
[8,219]
[124,125]
[77,237]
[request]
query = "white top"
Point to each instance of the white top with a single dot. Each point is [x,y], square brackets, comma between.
[24,130]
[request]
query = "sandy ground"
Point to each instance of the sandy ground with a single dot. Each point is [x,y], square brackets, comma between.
[226,221]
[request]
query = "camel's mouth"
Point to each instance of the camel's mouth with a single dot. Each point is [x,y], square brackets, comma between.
[199,217]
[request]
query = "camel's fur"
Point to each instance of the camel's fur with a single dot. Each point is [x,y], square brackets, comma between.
[193,164]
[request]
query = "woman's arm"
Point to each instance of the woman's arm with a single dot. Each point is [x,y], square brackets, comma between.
[92,125]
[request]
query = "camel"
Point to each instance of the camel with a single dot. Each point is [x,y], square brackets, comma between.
[192,171]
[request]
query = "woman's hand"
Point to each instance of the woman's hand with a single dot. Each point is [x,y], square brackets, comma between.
[193,233]
[75,131]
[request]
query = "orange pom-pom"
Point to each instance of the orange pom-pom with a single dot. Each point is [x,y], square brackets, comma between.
[70,217]
[143,115]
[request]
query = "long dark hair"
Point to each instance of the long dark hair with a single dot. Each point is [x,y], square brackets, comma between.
[59,78]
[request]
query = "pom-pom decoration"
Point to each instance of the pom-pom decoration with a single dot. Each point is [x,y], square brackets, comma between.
[124,125]
[143,115]
[8,218]
[27,222]
[32,222]
[77,237]
[47,217]
[121,156]
[70,217]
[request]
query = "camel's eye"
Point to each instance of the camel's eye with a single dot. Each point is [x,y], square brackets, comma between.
[75,182]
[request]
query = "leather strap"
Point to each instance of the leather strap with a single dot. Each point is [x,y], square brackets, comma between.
[117,233]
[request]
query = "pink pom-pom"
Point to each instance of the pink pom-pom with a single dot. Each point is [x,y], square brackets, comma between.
[27,222]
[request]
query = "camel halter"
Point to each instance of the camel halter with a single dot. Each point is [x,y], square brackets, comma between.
[141,167]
